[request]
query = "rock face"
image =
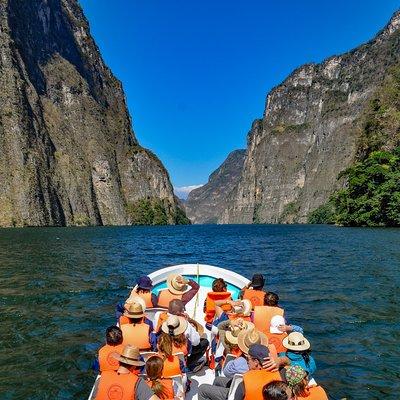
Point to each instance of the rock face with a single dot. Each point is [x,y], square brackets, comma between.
[309,133]
[68,152]
[205,204]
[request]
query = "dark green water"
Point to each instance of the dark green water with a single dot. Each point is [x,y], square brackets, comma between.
[58,288]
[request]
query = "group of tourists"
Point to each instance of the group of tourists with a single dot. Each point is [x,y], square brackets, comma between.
[254,352]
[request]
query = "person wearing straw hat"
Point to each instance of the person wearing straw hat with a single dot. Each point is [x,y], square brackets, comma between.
[125,382]
[245,340]
[137,332]
[177,288]
[254,379]
[298,381]
[298,352]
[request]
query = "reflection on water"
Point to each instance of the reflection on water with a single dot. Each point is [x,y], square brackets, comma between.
[58,288]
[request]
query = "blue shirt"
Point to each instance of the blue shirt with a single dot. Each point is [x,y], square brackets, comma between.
[237,366]
[297,359]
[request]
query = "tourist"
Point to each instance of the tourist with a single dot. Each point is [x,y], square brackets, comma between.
[298,381]
[254,379]
[106,360]
[173,365]
[298,352]
[254,290]
[262,314]
[199,344]
[125,382]
[177,288]
[143,288]
[161,386]
[277,333]
[219,296]
[137,332]
[122,308]
[277,390]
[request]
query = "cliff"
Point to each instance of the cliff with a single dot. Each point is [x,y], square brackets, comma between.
[205,204]
[68,152]
[310,132]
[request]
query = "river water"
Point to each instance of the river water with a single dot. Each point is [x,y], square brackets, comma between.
[59,286]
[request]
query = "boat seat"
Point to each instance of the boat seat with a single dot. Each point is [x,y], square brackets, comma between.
[236,381]
[151,312]
[147,354]
[177,384]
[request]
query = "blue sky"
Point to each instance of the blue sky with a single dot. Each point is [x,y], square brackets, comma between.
[196,73]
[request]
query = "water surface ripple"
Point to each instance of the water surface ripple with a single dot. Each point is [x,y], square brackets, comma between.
[58,288]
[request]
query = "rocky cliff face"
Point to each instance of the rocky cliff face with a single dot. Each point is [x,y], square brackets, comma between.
[205,204]
[309,133]
[68,152]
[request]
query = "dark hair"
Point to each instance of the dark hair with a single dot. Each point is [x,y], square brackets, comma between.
[275,390]
[154,368]
[176,307]
[135,321]
[179,340]
[164,344]
[219,285]
[139,290]
[271,299]
[304,353]
[113,335]
[300,389]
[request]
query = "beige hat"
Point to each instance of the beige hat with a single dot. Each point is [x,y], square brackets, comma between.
[248,338]
[130,355]
[236,327]
[296,341]
[175,287]
[135,310]
[174,325]
[276,320]
[134,298]
[244,308]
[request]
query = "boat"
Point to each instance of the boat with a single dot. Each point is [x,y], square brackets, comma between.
[204,275]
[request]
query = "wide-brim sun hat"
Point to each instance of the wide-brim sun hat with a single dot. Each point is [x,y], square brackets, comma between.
[244,308]
[231,336]
[174,325]
[134,298]
[129,355]
[175,287]
[296,341]
[276,320]
[248,338]
[135,310]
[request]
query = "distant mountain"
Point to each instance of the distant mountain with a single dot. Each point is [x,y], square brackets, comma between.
[68,152]
[314,126]
[205,204]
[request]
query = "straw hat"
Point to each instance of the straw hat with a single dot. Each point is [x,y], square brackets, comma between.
[296,341]
[174,325]
[248,338]
[135,310]
[134,298]
[237,326]
[175,287]
[276,320]
[244,308]
[130,355]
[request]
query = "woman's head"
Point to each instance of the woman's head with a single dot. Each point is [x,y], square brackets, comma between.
[154,368]
[164,344]
[271,299]
[219,285]
[297,379]
[277,390]
[113,335]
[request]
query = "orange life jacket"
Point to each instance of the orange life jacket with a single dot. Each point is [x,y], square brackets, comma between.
[161,319]
[106,360]
[262,316]
[255,380]
[255,296]
[182,349]
[316,393]
[147,298]
[276,340]
[136,335]
[210,304]
[117,386]
[233,316]
[168,389]
[165,296]
[272,351]
[172,366]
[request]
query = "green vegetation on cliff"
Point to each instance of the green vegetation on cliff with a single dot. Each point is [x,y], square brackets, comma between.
[372,193]
[155,212]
